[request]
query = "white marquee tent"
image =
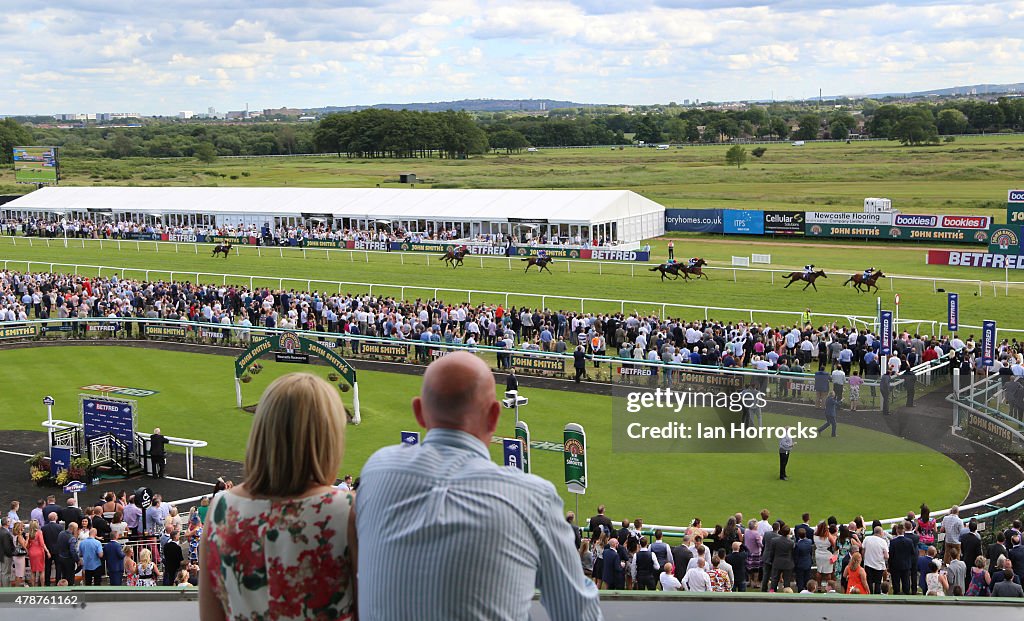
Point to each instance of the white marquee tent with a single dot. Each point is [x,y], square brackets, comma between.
[618,215]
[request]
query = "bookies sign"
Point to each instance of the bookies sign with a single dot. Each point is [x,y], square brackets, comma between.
[975,223]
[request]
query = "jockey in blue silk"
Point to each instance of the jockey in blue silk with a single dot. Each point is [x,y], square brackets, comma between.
[867,273]
[542,254]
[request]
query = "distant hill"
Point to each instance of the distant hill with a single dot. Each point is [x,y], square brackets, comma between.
[469,105]
[974,89]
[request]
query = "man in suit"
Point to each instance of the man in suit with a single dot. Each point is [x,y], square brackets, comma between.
[783,562]
[67,554]
[613,567]
[902,556]
[172,556]
[51,532]
[579,363]
[1006,573]
[6,552]
[1007,587]
[831,413]
[910,383]
[803,558]
[681,556]
[113,557]
[511,381]
[1016,555]
[51,507]
[599,522]
[970,543]
[767,550]
[885,386]
[72,514]
[157,452]
[915,539]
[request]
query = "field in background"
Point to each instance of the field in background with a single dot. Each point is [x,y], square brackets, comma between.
[196,400]
[750,290]
[970,175]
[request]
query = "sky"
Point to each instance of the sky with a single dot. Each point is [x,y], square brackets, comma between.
[164,57]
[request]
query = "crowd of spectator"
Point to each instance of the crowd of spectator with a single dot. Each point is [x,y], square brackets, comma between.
[112,541]
[283,235]
[809,557]
[633,336]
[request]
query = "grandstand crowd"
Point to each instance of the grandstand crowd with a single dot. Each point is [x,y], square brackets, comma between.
[272,235]
[784,348]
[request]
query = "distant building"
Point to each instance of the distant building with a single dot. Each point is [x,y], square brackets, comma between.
[186,114]
[117,116]
[282,112]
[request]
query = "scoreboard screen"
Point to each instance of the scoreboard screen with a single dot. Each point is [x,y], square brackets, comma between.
[37,165]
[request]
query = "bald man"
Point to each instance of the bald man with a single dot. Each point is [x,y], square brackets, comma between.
[438,509]
[157,452]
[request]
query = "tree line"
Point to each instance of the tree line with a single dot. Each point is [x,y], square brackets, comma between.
[375,133]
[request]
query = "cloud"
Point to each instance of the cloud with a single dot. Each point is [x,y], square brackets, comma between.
[92,56]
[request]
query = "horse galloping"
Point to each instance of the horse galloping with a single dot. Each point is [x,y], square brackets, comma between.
[859,281]
[219,248]
[455,256]
[694,270]
[667,268]
[810,278]
[540,262]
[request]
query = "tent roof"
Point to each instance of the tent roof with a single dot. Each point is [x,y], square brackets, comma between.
[575,206]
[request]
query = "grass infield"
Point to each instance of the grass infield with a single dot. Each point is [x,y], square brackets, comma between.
[196,400]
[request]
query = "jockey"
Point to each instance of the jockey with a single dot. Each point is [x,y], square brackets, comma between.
[867,273]
[692,262]
[808,270]
[542,254]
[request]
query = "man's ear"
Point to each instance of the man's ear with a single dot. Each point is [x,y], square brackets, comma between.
[493,414]
[417,410]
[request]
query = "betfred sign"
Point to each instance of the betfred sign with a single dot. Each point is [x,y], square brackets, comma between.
[1015,196]
[976,259]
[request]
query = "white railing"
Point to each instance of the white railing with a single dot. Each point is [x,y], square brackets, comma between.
[509,261]
[186,443]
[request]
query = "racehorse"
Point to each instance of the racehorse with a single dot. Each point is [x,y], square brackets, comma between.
[455,256]
[219,248]
[540,262]
[687,270]
[858,281]
[810,278]
[667,268]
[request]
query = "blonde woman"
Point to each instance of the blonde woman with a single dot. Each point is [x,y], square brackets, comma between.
[146,570]
[20,552]
[37,554]
[282,543]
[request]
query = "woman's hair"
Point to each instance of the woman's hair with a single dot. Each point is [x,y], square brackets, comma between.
[822,530]
[297,437]
[979,562]
[145,556]
[18,528]
[33,528]
[118,516]
[854,561]
[925,512]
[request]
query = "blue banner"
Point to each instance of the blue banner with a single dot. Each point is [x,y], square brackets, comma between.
[885,332]
[694,220]
[953,311]
[410,437]
[103,415]
[60,459]
[988,343]
[513,452]
[743,221]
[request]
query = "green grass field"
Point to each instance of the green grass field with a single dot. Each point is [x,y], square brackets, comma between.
[751,290]
[970,175]
[196,400]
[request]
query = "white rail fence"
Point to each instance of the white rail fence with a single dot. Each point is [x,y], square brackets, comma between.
[253,281]
[482,260]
